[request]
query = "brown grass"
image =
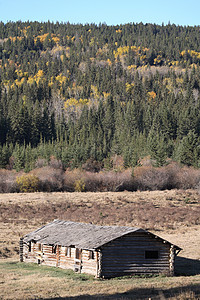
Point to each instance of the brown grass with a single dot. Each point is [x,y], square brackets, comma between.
[174,215]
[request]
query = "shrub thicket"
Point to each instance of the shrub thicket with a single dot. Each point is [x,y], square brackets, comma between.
[27,183]
[48,179]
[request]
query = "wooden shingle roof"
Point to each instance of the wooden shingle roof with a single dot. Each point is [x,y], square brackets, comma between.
[80,235]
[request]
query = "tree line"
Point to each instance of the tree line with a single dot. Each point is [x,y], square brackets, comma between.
[89,92]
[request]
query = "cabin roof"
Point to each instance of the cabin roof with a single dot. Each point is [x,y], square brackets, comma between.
[80,235]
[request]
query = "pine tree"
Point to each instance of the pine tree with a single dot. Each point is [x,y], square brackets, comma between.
[188,150]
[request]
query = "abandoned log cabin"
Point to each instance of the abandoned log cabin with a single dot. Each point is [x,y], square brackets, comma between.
[103,251]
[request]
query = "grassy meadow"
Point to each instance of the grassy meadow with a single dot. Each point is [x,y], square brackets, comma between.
[174,215]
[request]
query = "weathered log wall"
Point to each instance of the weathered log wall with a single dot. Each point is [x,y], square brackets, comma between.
[89,265]
[61,258]
[122,256]
[126,255]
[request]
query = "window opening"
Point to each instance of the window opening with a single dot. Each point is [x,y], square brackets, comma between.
[91,254]
[39,247]
[29,247]
[54,249]
[77,253]
[151,254]
[68,251]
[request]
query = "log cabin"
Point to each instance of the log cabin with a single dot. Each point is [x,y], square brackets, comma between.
[102,251]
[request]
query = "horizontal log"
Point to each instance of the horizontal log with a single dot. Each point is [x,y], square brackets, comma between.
[130,254]
[136,246]
[89,267]
[134,258]
[134,271]
[133,265]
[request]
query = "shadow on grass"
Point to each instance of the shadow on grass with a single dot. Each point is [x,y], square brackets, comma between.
[184,267]
[187,267]
[185,292]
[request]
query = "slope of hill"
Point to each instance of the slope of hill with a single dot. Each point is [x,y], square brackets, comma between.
[85,91]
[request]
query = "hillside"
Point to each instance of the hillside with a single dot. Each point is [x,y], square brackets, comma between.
[79,92]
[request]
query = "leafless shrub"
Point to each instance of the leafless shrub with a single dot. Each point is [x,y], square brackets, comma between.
[11,163]
[55,163]
[109,181]
[70,177]
[168,177]
[149,178]
[187,178]
[92,165]
[195,93]
[83,66]
[101,63]
[100,182]
[146,177]
[117,162]
[50,179]
[40,163]
[8,181]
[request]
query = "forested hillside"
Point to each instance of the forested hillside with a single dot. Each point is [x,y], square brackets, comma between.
[79,92]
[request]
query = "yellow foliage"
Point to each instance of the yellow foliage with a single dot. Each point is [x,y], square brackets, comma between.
[191,53]
[118,31]
[61,78]
[79,185]
[73,102]
[41,37]
[91,43]
[30,80]
[14,38]
[95,92]
[56,39]
[121,50]
[179,81]
[169,84]
[174,63]
[50,83]
[40,74]
[44,36]
[20,82]
[125,50]
[132,67]
[83,101]
[193,65]
[129,87]
[106,95]
[122,103]
[151,95]
[157,60]
[70,38]
[38,77]
[109,62]
[27,183]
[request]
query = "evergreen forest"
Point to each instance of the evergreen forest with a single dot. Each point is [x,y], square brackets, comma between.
[90,92]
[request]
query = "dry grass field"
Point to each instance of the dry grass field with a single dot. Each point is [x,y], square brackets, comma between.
[174,215]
